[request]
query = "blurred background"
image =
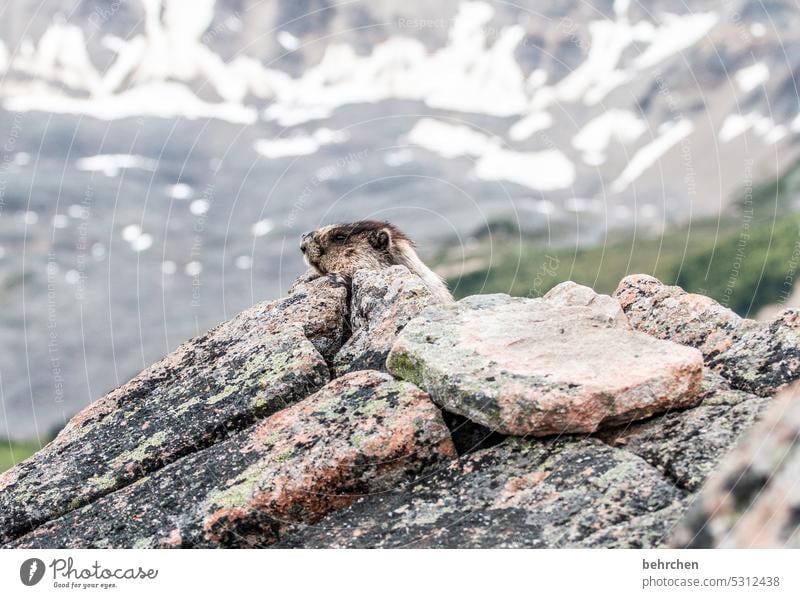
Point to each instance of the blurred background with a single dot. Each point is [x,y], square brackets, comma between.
[159,159]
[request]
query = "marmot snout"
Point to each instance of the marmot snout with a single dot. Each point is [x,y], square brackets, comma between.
[344,248]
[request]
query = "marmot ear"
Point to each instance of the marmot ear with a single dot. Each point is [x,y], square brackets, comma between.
[380,239]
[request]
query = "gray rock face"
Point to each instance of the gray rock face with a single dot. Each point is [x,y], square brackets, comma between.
[241,439]
[753,501]
[521,493]
[753,356]
[687,445]
[382,304]
[362,433]
[262,360]
[543,366]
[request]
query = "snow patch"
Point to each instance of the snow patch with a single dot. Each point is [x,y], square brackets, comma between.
[649,154]
[546,170]
[758,29]
[288,41]
[398,158]
[751,77]
[262,228]
[530,124]
[469,74]
[763,126]
[676,34]
[61,56]
[111,164]
[594,138]
[157,99]
[244,262]
[448,140]
[180,191]
[299,145]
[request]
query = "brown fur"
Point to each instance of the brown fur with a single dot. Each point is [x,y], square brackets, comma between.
[368,244]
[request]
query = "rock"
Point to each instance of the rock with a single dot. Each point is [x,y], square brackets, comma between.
[753,500]
[383,302]
[262,360]
[687,445]
[576,295]
[220,444]
[765,357]
[360,434]
[519,494]
[532,366]
[669,312]
[468,436]
[758,357]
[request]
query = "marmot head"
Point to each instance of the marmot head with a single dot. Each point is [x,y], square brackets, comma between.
[345,248]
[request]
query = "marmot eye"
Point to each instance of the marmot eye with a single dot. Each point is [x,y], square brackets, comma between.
[340,237]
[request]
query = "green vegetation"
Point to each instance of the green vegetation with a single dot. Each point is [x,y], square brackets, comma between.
[12,453]
[747,259]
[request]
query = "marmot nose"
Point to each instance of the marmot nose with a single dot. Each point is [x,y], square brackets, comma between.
[304,241]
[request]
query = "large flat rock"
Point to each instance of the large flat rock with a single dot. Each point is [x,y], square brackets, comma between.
[267,357]
[758,357]
[563,493]
[543,366]
[360,434]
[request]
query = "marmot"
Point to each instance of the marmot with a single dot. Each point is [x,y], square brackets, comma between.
[368,244]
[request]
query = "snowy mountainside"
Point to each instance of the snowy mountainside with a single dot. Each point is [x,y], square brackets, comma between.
[160,157]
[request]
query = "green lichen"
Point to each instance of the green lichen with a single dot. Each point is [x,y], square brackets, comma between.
[239,493]
[139,454]
[101,483]
[222,395]
[403,366]
[142,543]
[186,405]
[272,439]
[376,406]
[285,456]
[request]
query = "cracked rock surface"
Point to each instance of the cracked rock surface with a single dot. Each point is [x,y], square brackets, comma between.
[753,500]
[264,359]
[521,493]
[383,303]
[362,433]
[372,416]
[758,357]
